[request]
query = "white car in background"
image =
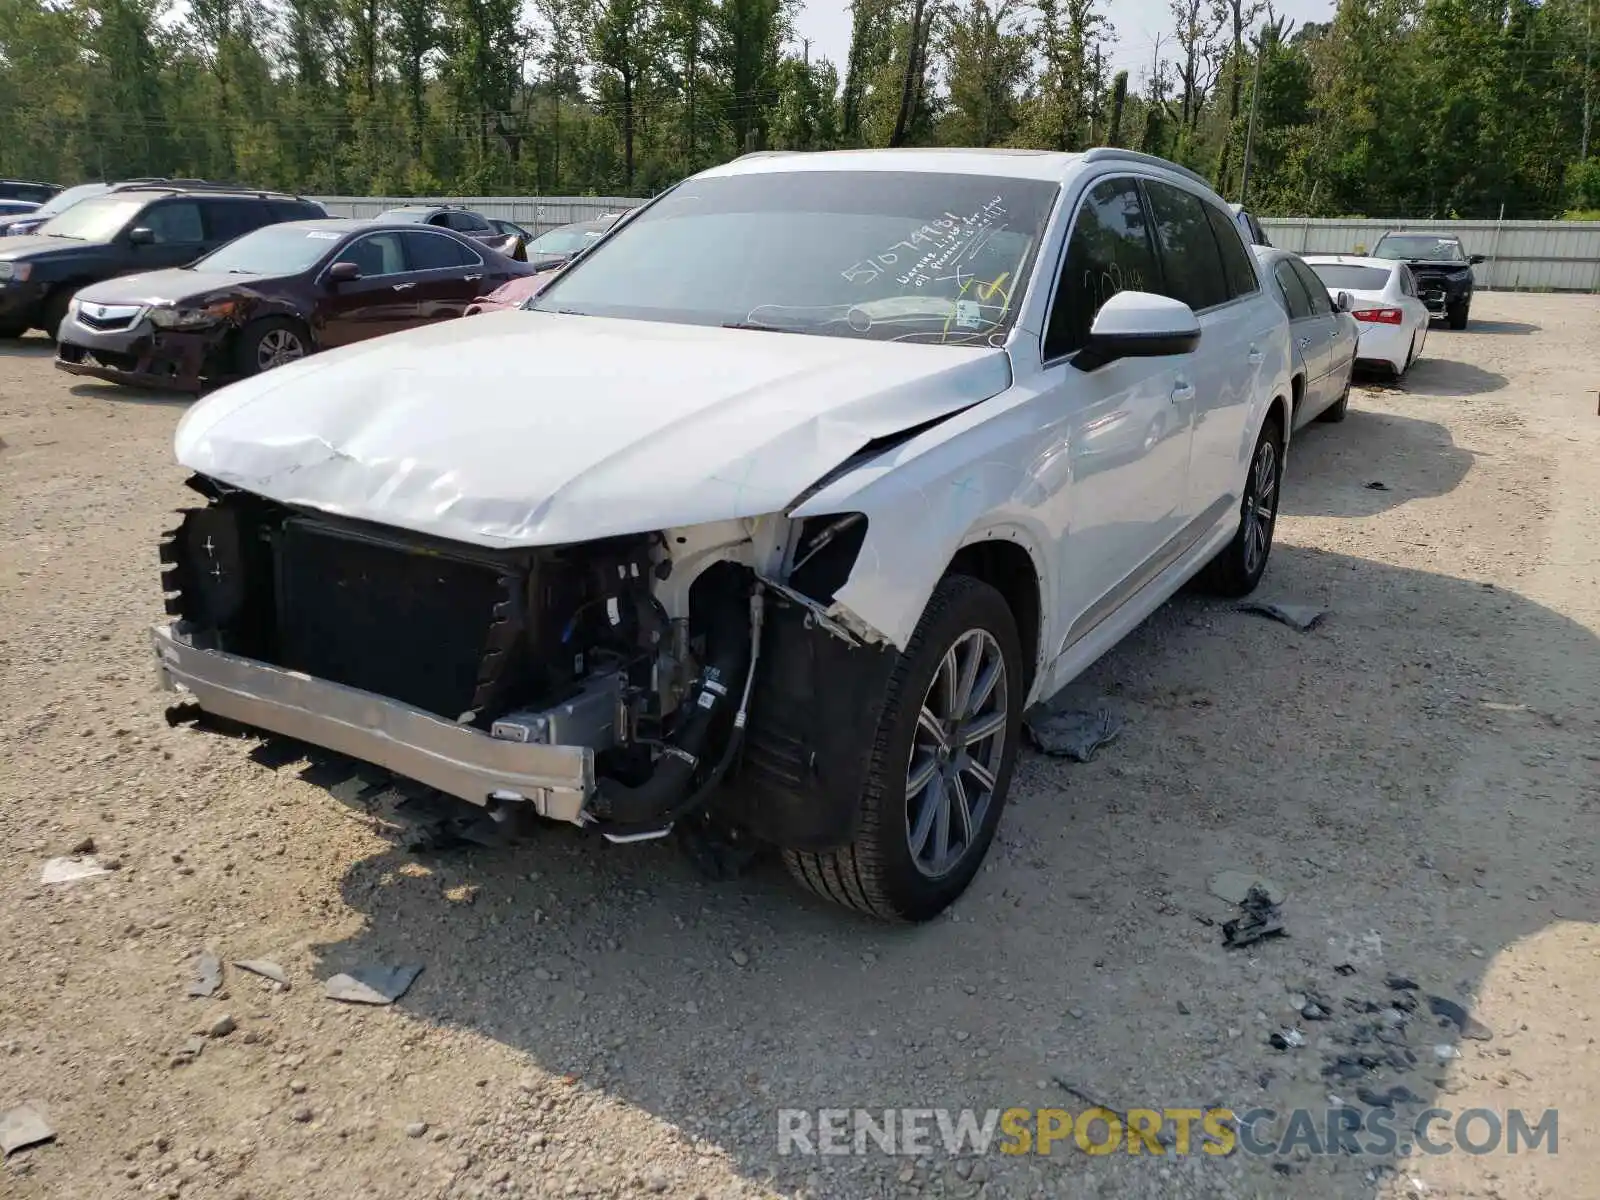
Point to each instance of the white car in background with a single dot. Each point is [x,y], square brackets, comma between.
[830,517]
[1323,336]
[1382,296]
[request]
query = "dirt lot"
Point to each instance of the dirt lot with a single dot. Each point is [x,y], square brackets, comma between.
[1418,773]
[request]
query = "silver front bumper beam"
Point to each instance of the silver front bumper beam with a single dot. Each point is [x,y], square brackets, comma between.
[456,759]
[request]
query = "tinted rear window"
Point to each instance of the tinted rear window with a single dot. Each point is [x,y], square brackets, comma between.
[1190,259]
[1348,275]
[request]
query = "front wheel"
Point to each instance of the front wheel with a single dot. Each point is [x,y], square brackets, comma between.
[1238,567]
[1457,314]
[270,342]
[941,759]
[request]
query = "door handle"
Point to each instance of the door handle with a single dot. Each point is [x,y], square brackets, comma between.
[1256,357]
[472,278]
[1305,343]
[1182,392]
[400,287]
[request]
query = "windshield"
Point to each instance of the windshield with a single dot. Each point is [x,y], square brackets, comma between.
[1422,246]
[1337,276]
[272,250]
[887,255]
[98,219]
[566,240]
[62,201]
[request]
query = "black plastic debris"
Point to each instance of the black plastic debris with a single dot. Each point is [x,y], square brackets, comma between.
[1261,920]
[1072,733]
[1377,485]
[207,976]
[1287,1039]
[372,985]
[1344,969]
[1398,1094]
[1316,1010]
[26,1125]
[1297,616]
[1449,1012]
[1399,983]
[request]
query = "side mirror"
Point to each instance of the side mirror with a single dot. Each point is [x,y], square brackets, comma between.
[141,236]
[1138,325]
[1343,301]
[344,272]
[1475,259]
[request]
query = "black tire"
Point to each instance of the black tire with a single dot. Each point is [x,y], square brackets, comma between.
[1340,408]
[1411,357]
[54,311]
[1238,566]
[879,872]
[254,350]
[1457,314]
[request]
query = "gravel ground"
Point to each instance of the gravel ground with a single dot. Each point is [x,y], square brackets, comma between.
[1417,774]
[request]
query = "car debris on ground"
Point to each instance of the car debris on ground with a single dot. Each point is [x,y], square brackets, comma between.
[1303,617]
[372,985]
[26,1125]
[1261,920]
[1071,733]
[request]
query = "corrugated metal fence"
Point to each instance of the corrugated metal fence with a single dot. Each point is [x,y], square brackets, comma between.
[537,213]
[1539,256]
[1522,255]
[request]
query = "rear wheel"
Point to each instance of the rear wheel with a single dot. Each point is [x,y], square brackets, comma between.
[941,760]
[270,342]
[1238,567]
[1340,408]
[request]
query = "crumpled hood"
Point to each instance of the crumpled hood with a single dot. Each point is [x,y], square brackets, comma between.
[522,429]
[162,287]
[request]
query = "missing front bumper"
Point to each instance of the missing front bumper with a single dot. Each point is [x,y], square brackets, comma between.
[460,761]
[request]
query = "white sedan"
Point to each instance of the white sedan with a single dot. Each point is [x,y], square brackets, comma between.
[1382,296]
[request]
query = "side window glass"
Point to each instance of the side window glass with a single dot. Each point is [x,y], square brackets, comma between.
[227,219]
[1109,251]
[174,221]
[1321,302]
[1191,263]
[1238,263]
[468,222]
[378,254]
[436,252]
[1293,291]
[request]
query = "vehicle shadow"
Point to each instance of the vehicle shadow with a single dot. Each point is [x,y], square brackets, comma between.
[1446,377]
[123,394]
[27,347]
[1088,954]
[1368,463]
[1475,325]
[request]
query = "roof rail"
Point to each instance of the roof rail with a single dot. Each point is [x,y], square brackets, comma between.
[1117,154]
[184,185]
[767,154]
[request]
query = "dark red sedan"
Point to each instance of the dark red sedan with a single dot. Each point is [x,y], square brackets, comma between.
[273,296]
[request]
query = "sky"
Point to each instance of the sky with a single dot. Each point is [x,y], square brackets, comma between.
[1138,24]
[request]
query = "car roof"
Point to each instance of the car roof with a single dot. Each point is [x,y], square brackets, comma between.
[1015,163]
[1443,237]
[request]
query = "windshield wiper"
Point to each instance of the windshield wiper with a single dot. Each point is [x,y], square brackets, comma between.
[758,327]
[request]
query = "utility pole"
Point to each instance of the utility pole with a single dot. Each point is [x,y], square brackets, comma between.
[1250,129]
[805,50]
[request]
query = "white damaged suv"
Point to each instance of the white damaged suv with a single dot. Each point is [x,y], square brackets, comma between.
[766,519]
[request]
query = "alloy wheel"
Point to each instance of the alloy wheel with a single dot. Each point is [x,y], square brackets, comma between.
[1260,506]
[956,753]
[278,346]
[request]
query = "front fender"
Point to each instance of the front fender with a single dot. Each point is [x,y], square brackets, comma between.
[954,485]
